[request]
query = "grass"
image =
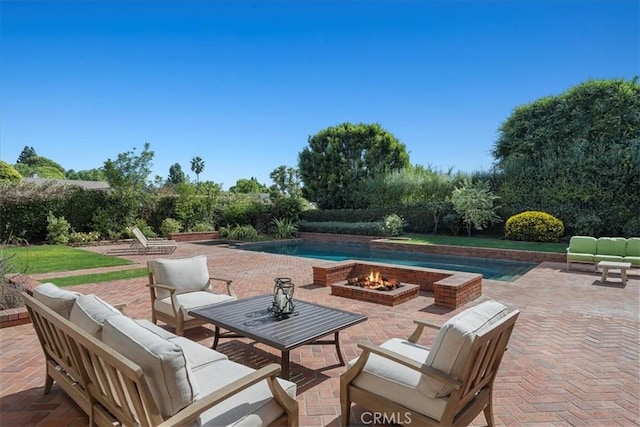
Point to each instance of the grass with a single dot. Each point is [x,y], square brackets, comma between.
[484,242]
[99,277]
[52,258]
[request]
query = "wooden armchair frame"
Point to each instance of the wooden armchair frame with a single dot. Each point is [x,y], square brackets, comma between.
[471,394]
[177,320]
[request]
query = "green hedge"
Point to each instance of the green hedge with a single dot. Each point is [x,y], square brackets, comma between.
[357,228]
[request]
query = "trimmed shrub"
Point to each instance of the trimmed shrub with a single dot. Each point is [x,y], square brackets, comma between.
[58,230]
[393,225]
[534,226]
[170,225]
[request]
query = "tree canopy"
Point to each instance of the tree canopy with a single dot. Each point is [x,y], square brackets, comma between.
[176,175]
[576,156]
[8,172]
[130,170]
[247,186]
[339,157]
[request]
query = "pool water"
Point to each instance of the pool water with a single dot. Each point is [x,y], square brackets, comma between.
[494,269]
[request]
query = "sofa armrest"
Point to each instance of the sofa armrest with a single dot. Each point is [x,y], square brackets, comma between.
[230,290]
[410,363]
[120,307]
[191,412]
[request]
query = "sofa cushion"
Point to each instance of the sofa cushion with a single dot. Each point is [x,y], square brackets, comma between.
[163,363]
[183,274]
[616,246]
[451,346]
[197,354]
[90,312]
[253,406]
[57,299]
[398,383]
[190,301]
[583,245]
[633,247]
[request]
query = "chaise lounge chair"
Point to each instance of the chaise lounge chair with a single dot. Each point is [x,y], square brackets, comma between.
[142,245]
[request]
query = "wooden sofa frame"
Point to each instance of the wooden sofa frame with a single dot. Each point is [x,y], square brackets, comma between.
[112,390]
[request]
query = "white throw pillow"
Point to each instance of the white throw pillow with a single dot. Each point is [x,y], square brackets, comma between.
[90,312]
[59,300]
[184,274]
[163,363]
[451,346]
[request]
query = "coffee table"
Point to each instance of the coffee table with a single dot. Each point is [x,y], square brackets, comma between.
[250,317]
[605,266]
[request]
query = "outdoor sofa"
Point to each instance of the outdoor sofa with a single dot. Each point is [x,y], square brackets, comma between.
[589,250]
[122,371]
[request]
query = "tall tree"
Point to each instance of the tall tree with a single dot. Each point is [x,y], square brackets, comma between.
[176,175]
[246,186]
[577,157]
[197,166]
[130,170]
[25,154]
[340,157]
[286,181]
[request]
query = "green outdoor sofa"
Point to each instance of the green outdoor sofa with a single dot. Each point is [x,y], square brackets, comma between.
[589,250]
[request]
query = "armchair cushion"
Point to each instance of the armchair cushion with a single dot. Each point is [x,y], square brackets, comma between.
[90,312]
[183,274]
[164,364]
[57,299]
[399,383]
[254,406]
[189,301]
[452,344]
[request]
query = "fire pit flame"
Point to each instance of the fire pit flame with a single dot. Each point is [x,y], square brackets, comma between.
[375,281]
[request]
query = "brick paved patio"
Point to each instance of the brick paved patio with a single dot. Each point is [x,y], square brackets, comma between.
[573,357]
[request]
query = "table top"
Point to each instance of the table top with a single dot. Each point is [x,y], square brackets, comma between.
[614,264]
[250,317]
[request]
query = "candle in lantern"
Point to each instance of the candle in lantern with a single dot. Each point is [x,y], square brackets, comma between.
[281,300]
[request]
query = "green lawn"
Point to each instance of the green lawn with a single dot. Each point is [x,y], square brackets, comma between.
[51,258]
[100,277]
[485,242]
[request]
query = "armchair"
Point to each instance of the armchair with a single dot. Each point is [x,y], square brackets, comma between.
[181,284]
[449,384]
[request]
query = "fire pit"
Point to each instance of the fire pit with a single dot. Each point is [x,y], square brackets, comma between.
[449,288]
[374,281]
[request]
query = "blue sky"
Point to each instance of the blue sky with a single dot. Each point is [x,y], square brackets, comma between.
[244,84]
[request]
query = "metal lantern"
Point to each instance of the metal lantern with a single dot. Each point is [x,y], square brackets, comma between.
[282,306]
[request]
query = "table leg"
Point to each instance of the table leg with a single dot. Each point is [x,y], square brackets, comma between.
[605,270]
[216,337]
[284,365]
[623,274]
[337,340]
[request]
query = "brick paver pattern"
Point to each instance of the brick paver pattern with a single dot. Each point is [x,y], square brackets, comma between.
[572,359]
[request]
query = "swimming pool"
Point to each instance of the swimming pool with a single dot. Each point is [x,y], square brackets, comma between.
[494,269]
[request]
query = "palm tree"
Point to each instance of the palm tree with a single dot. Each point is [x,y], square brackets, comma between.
[197,166]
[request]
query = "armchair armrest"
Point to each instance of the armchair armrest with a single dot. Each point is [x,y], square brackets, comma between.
[410,363]
[165,287]
[230,290]
[191,412]
[420,325]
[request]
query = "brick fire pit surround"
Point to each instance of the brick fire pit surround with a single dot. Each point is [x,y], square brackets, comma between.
[450,288]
